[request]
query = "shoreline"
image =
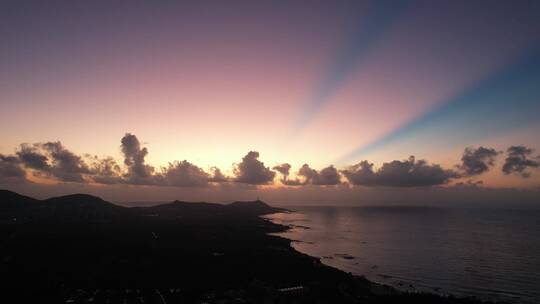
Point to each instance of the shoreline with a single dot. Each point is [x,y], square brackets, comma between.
[184,252]
[285,228]
[381,289]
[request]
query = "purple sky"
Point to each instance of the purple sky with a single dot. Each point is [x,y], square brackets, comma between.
[329,84]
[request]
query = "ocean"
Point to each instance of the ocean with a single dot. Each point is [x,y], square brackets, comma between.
[492,254]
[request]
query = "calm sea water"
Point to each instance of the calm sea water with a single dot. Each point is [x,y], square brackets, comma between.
[493,254]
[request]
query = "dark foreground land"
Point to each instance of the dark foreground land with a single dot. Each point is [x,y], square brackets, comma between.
[81,249]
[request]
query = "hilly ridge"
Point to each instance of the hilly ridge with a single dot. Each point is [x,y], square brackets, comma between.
[77,206]
[82,249]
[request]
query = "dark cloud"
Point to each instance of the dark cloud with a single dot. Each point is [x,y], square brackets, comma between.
[10,170]
[470,184]
[105,170]
[185,174]
[52,159]
[518,161]
[292,182]
[327,176]
[217,176]
[32,158]
[477,161]
[66,165]
[252,171]
[284,170]
[360,174]
[137,171]
[407,173]
[178,173]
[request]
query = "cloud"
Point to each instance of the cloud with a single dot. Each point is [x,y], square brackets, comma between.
[284,170]
[52,159]
[137,171]
[10,170]
[178,173]
[477,161]
[66,165]
[292,182]
[252,171]
[327,176]
[217,176]
[185,174]
[105,170]
[407,173]
[470,184]
[32,158]
[518,161]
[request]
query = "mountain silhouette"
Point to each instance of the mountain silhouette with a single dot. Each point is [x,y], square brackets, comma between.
[75,206]
[11,200]
[209,210]
[84,206]
[14,206]
[80,249]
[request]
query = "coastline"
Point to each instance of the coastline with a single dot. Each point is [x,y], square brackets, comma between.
[181,252]
[380,287]
[377,288]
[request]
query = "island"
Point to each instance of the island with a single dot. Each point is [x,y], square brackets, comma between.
[82,249]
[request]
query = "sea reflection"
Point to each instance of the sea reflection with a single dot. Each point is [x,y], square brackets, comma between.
[493,254]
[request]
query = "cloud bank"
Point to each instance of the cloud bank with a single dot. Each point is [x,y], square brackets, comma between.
[326,177]
[185,174]
[518,161]
[10,170]
[406,173]
[252,171]
[477,161]
[51,160]
[137,171]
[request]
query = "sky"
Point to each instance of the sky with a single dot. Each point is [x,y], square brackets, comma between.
[306,102]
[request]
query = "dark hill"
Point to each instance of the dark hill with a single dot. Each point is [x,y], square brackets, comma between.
[15,206]
[179,209]
[79,199]
[254,207]
[11,200]
[200,210]
[6,195]
[81,206]
[82,249]
[72,207]
[84,206]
